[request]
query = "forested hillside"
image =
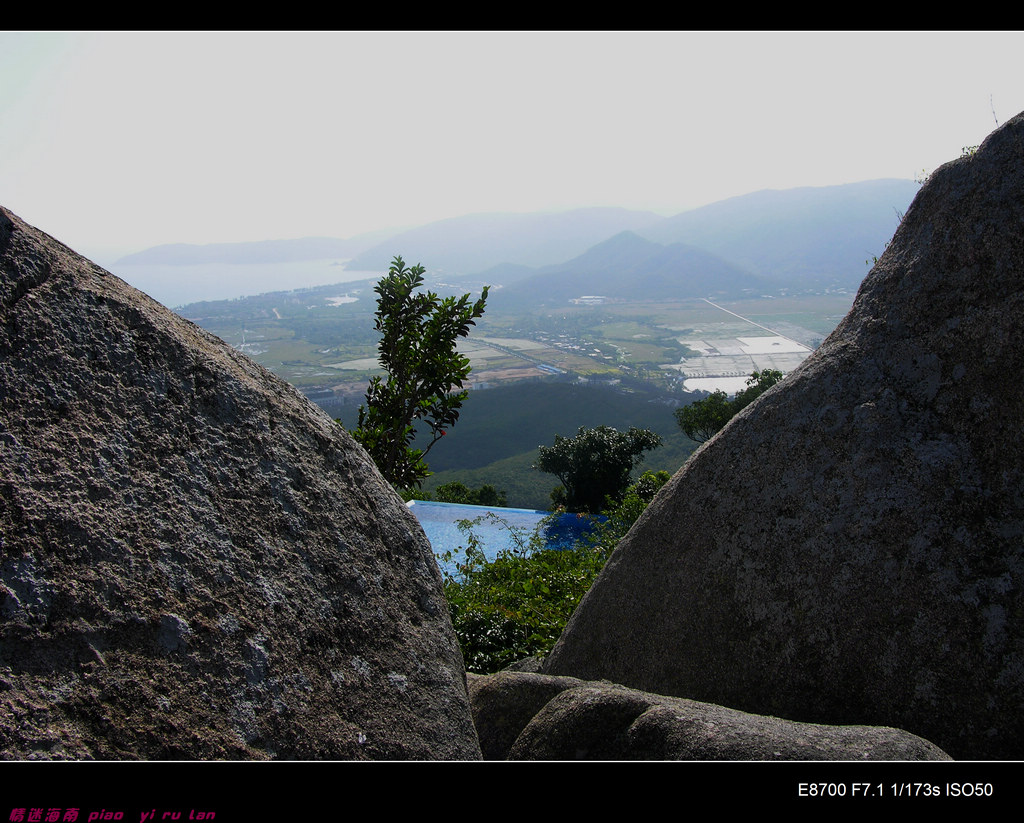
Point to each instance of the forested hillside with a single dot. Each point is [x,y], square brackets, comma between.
[496,438]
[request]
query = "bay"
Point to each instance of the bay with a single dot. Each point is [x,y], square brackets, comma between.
[176,286]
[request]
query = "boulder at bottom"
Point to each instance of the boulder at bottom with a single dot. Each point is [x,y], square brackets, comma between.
[527,716]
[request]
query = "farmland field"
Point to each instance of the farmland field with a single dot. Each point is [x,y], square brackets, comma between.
[322,339]
[534,374]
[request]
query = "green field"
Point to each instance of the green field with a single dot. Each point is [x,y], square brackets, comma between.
[538,374]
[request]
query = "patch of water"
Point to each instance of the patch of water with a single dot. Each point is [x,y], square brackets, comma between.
[498,528]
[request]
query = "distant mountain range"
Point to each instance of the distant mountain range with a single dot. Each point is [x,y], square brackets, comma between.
[808,238]
[627,266]
[470,244]
[796,238]
[263,251]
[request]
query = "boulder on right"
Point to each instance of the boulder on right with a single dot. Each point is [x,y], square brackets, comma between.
[850,548]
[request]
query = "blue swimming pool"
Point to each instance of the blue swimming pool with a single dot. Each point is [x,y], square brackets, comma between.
[497,527]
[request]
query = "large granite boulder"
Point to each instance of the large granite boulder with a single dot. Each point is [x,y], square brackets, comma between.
[529,716]
[850,548]
[195,562]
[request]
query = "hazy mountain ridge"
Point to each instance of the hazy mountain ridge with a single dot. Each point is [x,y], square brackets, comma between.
[628,265]
[800,237]
[261,251]
[804,238]
[476,242]
[795,238]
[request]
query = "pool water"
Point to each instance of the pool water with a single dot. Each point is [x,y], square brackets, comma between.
[498,527]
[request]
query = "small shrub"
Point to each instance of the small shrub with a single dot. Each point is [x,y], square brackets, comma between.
[516,605]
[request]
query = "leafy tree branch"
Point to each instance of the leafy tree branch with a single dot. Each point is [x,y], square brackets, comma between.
[425,372]
[595,465]
[703,419]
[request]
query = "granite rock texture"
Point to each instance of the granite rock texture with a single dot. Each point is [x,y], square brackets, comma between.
[195,561]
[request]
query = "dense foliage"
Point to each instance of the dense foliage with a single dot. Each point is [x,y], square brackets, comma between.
[425,373]
[530,413]
[703,419]
[757,384]
[595,465]
[621,517]
[517,605]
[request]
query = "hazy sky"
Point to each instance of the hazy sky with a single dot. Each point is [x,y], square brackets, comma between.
[113,142]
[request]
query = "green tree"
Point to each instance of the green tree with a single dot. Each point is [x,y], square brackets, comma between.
[456,492]
[757,384]
[703,419]
[620,518]
[425,373]
[595,465]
